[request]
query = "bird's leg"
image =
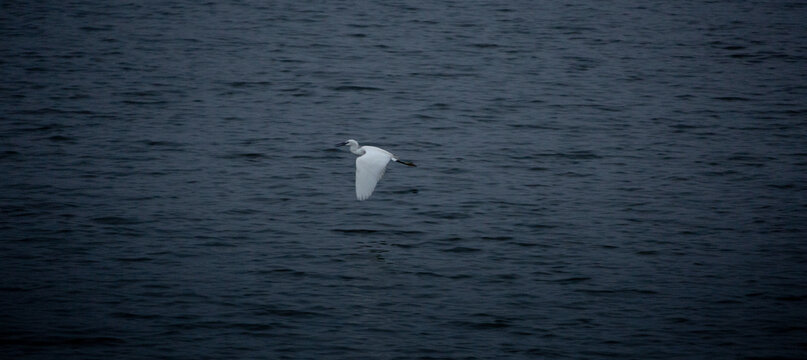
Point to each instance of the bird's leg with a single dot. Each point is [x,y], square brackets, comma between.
[407,163]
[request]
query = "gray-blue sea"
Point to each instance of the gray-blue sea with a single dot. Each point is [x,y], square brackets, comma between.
[595,179]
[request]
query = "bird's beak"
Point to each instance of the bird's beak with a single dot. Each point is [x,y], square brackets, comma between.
[341,144]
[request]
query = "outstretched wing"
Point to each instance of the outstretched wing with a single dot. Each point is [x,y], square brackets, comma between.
[370,168]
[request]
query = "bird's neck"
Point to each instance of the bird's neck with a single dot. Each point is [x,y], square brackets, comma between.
[354,148]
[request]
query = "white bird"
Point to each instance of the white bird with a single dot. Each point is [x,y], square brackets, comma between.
[370,166]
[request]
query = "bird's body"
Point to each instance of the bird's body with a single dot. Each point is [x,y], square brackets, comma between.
[370,167]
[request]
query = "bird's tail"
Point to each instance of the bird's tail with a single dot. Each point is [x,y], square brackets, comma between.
[407,163]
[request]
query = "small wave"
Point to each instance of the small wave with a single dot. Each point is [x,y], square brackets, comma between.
[60,138]
[572,280]
[575,155]
[161,143]
[128,315]
[51,111]
[647,252]
[445,215]
[242,211]
[372,231]
[354,88]
[144,102]
[792,298]
[405,191]
[428,274]
[115,220]
[488,325]
[484,45]
[532,126]
[287,312]
[85,341]
[282,271]
[134,259]
[95,28]
[249,84]
[252,327]
[461,249]
[217,244]
[731,98]
[355,231]
[617,291]
[8,154]
[497,238]
[787,186]
[247,156]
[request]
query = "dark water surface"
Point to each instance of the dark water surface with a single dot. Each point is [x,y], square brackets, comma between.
[610,179]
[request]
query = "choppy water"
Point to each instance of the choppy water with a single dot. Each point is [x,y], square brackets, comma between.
[596,180]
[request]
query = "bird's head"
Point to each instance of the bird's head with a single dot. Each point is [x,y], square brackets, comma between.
[350,142]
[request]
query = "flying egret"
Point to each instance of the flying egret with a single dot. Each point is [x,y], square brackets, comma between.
[370,166]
